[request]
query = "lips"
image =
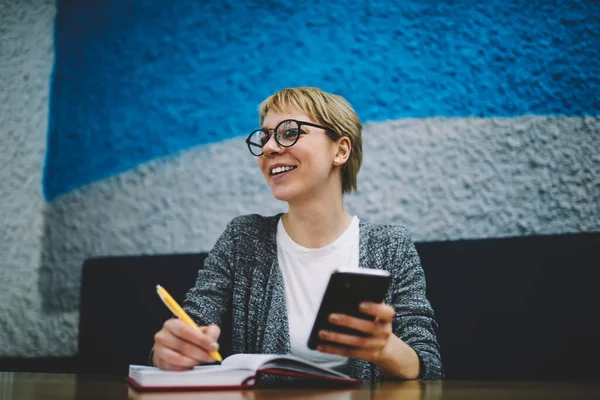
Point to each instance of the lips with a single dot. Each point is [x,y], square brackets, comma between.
[280,169]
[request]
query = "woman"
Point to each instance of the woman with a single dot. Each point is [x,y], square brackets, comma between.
[268,274]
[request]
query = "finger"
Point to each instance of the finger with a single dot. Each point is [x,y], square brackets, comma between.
[381,311]
[358,342]
[213,331]
[165,339]
[373,328]
[363,354]
[171,360]
[187,333]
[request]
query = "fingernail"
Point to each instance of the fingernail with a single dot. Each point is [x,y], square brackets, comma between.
[324,334]
[214,346]
[334,317]
[364,306]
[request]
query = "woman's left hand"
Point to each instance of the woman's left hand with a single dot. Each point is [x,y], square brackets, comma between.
[372,348]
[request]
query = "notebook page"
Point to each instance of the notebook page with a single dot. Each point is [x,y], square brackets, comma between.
[247,361]
[209,375]
[287,362]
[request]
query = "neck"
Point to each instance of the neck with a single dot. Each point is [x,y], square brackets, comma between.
[317,222]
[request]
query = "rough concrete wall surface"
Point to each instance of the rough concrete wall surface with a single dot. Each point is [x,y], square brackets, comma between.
[480,121]
[26,56]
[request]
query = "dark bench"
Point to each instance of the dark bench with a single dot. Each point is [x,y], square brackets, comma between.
[517,308]
[512,308]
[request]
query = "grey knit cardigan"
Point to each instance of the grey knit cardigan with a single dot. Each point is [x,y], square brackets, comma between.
[241,281]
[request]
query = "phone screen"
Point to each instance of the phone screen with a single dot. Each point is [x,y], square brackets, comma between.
[345,291]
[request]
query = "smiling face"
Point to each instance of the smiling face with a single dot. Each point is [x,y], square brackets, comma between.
[304,169]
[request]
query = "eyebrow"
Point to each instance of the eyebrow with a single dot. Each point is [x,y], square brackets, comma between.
[271,129]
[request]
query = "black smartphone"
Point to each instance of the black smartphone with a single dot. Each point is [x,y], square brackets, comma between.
[347,288]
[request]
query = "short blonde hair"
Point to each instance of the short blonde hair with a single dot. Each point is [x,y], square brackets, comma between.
[329,110]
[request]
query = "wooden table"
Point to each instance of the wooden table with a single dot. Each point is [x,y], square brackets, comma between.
[27,386]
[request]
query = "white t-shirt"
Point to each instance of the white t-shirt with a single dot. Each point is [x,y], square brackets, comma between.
[305,276]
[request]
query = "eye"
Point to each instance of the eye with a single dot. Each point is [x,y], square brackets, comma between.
[263,138]
[290,134]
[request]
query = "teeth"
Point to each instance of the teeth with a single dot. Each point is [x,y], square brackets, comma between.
[279,170]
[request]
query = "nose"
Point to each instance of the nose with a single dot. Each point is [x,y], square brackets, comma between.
[271,147]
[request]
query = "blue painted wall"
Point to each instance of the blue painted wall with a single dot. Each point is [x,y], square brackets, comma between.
[135,80]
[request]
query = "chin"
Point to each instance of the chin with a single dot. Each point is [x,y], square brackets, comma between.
[283,194]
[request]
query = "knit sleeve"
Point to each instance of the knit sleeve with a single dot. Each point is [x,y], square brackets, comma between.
[414,321]
[209,300]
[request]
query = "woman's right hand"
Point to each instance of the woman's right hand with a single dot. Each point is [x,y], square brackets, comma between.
[178,346]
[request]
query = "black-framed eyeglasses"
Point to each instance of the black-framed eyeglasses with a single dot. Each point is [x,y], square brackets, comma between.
[287,133]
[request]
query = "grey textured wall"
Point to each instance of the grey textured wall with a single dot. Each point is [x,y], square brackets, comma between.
[26,55]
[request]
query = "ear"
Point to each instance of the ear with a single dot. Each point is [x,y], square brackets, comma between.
[342,151]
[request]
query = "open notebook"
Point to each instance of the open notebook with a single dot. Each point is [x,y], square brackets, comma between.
[236,371]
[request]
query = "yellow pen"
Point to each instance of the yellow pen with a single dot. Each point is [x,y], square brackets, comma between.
[182,315]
